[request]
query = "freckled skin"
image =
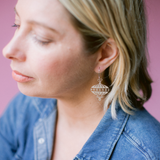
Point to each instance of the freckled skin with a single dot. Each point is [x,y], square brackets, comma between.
[59,69]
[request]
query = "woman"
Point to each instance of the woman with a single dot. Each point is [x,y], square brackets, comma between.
[59,50]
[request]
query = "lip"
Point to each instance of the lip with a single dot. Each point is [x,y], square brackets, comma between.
[19,77]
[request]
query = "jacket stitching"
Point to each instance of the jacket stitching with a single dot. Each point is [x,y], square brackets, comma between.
[118,135]
[35,145]
[46,139]
[132,141]
[37,108]
[18,157]
[44,109]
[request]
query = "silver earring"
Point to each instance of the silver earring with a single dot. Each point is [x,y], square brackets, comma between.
[99,89]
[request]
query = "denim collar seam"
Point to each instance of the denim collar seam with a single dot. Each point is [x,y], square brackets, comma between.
[140,146]
[37,102]
[121,129]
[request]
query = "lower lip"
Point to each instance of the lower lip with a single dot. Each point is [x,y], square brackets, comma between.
[21,78]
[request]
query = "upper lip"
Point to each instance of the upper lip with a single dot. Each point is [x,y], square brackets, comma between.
[20,73]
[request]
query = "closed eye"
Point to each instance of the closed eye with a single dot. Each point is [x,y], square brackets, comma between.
[41,42]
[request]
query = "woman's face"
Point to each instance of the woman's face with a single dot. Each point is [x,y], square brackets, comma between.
[48,50]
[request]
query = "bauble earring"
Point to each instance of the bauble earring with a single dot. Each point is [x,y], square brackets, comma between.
[100,90]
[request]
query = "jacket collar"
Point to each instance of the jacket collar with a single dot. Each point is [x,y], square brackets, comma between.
[44,106]
[44,128]
[101,143]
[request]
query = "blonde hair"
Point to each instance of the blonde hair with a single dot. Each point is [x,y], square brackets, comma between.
[124,21]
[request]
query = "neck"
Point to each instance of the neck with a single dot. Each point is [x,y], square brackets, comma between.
[82,112]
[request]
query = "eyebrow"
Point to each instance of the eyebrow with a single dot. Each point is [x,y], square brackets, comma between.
[37,23]
[43,25]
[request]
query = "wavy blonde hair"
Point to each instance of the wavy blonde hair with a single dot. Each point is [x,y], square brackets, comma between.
[125,22]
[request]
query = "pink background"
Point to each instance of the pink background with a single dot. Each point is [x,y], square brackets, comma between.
[8,87]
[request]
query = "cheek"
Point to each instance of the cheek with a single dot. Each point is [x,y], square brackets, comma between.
[48,68]
[52,65]
[46,65]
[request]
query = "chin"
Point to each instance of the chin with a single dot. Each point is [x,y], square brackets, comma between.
[28,90]
[35,91]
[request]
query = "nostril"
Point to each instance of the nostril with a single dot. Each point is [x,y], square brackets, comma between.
[10,58]
[6,54]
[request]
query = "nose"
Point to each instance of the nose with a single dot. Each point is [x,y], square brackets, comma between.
[14,50]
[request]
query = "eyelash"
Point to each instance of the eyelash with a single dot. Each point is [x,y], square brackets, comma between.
[42,43]
[15,25]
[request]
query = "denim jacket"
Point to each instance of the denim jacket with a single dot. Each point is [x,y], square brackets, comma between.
[27,133]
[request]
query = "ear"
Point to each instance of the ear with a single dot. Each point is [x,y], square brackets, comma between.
[107,54]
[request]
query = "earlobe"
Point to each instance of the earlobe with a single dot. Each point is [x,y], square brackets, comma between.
[107,54]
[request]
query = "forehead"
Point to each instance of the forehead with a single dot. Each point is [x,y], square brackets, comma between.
[48,11]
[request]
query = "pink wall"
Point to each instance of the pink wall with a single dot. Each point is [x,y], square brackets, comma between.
[8,87]
[153,105]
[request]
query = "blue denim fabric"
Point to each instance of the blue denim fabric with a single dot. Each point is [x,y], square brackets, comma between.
[27,133]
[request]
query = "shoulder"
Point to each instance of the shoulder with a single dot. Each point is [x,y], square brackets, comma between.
[143,132]
[20,110]
[17,109]
[17,124]
[22,104]
[19,104]
[24,111]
